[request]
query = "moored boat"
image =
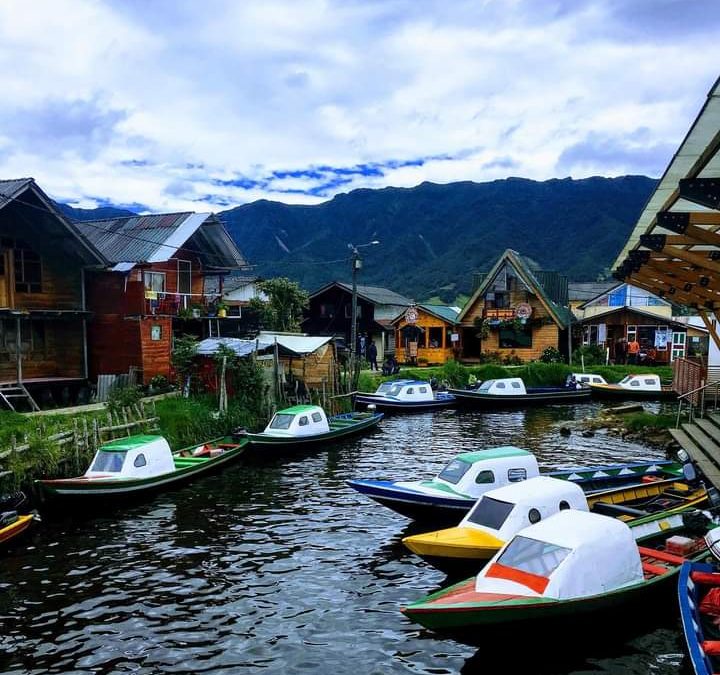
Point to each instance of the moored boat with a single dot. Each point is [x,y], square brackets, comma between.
[499,514]
[405,396]
[699,599]
[643,386]
[447,497]
[511,392]
[141,464]
[572,564]
[13,524]
[307,425]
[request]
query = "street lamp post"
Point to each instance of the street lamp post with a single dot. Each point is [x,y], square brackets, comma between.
[356,265]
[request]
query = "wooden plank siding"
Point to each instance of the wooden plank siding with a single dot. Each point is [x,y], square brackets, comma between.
[433,355]
[313,369]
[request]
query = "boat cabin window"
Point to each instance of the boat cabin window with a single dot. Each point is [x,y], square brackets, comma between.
[394,391]
[485,386]
[422,390]
[490,512]
[385,387]
[650,381]
[564,506]
[316,417]
[485,477]
[501,385]
[515,385]
[454,471]
[410,390]
[626,379]
[109,461]
[634,383]
[516,475]
[597,380]
[303,421]
[140,461]
[533,556]
[282,421]
[534,516]
[584,378]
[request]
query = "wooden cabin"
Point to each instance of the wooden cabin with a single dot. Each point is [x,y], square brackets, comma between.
[427,334]
[330,310]
[155,287]
[516,310]
[43,315]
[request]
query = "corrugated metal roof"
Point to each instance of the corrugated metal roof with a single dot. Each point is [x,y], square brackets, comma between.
[10,188]
[444,312]
[581,290]
[377,295]
[157,237]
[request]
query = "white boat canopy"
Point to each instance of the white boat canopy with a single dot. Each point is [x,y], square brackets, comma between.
[132,457]
[644,382]
[506,386]
[406,390]
[300,420]
[573,554]
[507,510]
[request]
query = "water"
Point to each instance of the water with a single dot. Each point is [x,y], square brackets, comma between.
[279,567]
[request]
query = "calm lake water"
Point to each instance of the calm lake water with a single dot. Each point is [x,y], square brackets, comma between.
[279,567]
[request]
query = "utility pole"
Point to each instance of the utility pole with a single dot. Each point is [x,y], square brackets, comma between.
[354,360]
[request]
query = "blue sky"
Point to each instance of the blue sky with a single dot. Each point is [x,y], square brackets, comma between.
[189,105]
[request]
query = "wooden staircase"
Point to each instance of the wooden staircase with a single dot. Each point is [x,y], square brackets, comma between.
[10,391]
[700,438]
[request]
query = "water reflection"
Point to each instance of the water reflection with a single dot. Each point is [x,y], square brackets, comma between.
[277,566]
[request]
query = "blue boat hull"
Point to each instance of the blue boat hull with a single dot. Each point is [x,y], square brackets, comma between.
[381,403]
[689,600]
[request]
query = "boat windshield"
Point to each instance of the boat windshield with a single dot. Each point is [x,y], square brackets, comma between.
[393,391]
[490,512]
[485,386]
[626,379]
[281,421]
[533,556]
[384,388]
[108,461]
[454,471]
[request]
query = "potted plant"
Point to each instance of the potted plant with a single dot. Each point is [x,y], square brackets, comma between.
[196,310]
[222,309]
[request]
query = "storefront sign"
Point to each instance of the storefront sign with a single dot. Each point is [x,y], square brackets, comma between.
[523,311]
[411,315]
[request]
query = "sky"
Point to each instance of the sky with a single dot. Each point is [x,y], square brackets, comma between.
[203,105]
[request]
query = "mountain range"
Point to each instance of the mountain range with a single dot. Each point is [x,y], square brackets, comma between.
[432,237]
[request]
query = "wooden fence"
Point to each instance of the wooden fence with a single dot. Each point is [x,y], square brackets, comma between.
[84,436]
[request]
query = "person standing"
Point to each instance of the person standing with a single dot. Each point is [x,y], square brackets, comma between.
[372,356]
[633,351]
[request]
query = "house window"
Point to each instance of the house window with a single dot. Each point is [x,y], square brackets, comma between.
[435,335]
[32,337]
[631,333]
[156,332]
[184,281]
[348,311]
[154,281]
[28,269]
[514,339]
[590,335]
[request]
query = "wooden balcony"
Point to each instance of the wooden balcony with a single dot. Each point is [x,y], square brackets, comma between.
[180,305]
[499,314]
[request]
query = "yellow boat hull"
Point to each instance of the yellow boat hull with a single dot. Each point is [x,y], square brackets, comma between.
[14,529]
[465,543]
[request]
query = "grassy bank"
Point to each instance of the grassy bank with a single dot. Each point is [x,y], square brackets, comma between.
[535,374]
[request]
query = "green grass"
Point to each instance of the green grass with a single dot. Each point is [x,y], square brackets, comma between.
[643,420]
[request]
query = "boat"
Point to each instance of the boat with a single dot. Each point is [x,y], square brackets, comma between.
[307,425]
[141,464]
[511,391]
[405,396]
[501,513]
[644,386]
[447,497]
[586,379]
[699,599]
[574,563]
[13,524]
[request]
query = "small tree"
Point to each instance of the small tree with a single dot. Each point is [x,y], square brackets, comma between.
[183,360]
[283,309]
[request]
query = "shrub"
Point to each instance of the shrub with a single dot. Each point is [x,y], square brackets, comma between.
[592,355]
[544,374]
[123,397]
[455,374]
[551,355]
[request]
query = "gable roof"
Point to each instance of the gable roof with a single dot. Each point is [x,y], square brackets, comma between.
[523,266]
[656,319]
[374,294]
[129,240]
[442,312]
[614,288]
[586,291]
[24,193]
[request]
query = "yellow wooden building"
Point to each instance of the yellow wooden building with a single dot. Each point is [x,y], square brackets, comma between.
[427,334]
[517,310]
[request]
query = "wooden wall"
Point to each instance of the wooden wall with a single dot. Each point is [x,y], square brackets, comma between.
[433,355]
[313,368]
[155,353]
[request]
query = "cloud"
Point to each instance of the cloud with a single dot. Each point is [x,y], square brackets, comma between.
[178,105]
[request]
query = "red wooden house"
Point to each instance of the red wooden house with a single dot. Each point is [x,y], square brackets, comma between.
[43,313]
[155,285]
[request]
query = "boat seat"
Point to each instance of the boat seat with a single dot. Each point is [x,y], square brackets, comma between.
[706,578]
[661,555]
[653,570]
[711,647]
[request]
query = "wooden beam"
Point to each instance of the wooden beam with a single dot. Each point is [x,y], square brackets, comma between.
[672,291]
[709,325]
[681,277]
[691,257]
[681,223]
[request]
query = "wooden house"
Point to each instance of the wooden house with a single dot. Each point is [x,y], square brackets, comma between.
[330,312]
[629,312]
[516,310]
[427,333]
[156,285]
[43,313]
